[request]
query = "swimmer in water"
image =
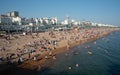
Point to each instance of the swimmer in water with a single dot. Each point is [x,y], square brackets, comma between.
[76,65]
[69,68]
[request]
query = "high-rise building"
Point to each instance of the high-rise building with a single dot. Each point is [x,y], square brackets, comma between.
[13,14]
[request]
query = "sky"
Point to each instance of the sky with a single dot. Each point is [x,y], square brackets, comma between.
[99,11]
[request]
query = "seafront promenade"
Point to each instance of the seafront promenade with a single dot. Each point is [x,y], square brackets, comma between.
[35,50]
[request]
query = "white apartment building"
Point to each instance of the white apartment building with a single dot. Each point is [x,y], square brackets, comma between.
[65,22]
[4,19]
[54,20]
[74,22]
[17,20]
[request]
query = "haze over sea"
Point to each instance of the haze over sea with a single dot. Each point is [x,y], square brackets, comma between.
[105,59]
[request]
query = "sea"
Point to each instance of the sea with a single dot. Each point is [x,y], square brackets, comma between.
[98,57]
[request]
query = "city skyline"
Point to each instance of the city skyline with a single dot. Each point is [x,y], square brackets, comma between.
[100,11]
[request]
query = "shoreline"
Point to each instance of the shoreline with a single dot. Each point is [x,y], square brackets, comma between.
[87,35]
[42,62]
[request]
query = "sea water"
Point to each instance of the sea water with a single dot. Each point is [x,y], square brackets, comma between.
[104,60]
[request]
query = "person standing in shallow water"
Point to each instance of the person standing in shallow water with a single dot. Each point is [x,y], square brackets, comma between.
[39,68]
[69,67]
[76,65]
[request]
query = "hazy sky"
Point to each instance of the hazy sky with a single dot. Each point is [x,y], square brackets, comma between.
[100,11]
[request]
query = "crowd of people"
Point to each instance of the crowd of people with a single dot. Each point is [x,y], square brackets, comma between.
[46,42]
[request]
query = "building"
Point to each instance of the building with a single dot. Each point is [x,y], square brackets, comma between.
[4,19]
[66,21]
[13,14]
[17,20]
[54,21]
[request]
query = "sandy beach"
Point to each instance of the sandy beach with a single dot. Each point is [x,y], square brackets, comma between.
[38,49]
